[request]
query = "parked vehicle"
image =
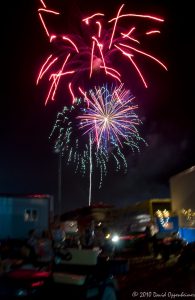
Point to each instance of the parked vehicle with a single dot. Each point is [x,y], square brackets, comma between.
[77,273]
[133,244]
[26,282]
[85,274]
[22,275]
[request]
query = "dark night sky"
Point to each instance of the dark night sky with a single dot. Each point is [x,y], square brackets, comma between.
[27,163]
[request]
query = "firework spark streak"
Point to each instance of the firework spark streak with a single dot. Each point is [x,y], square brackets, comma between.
[97,50]
[98,133]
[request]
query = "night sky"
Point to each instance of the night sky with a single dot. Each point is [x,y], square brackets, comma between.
[27,161]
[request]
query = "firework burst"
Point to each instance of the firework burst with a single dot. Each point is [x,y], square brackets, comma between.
[110,117]
[97,52]
[98,132]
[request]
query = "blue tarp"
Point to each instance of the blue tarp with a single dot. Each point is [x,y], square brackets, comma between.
[188,234]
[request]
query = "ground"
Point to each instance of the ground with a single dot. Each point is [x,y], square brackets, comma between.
[152,278]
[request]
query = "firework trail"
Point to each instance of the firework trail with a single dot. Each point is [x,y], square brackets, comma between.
[100,50]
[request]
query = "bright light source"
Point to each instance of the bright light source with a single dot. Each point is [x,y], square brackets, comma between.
[115,238]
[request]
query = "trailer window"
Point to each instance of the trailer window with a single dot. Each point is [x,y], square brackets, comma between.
[30,215]
[34,215]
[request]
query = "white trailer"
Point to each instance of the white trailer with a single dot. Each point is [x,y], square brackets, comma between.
[182,187]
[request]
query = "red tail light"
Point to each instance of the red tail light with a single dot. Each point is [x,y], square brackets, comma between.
[37,283]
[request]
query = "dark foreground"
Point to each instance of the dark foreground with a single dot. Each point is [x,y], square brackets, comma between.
[146,277]
[150,278]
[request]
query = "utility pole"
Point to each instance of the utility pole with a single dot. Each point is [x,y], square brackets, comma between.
[59,182]
[58,151]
